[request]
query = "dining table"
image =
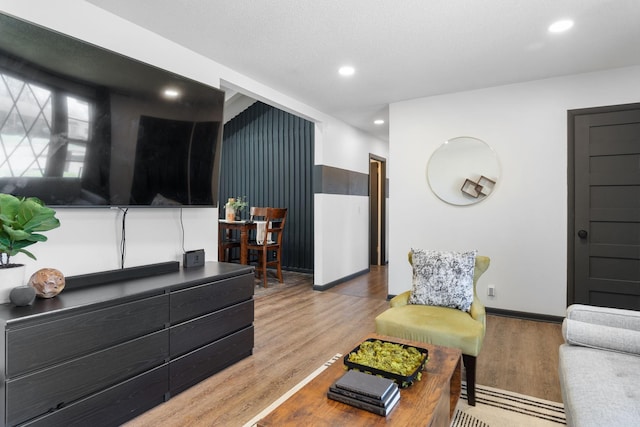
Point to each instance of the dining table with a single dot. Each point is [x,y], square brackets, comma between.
[225,228]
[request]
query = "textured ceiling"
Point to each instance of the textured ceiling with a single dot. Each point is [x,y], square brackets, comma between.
[401,49]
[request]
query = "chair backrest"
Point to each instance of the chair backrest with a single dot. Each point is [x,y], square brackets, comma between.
[276,218]
[257,212]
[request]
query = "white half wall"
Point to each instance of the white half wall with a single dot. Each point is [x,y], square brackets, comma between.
[341,228]
[342,249]
[522,226]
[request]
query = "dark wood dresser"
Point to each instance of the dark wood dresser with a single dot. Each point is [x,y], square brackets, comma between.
[100,355]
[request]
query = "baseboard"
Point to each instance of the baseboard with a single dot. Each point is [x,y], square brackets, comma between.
[298,270]
[341,280]
[524,315]
[516,314]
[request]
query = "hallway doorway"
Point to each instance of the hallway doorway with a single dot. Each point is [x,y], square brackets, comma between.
[377,210]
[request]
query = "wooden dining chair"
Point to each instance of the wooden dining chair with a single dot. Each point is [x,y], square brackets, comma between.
[268,241]
[256,214]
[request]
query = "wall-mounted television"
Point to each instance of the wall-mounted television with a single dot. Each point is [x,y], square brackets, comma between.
[84,126]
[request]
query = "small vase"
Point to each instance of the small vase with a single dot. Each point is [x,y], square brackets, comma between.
[10,278]
[229,212]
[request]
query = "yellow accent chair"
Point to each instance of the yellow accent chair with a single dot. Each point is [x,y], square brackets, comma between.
[449,327]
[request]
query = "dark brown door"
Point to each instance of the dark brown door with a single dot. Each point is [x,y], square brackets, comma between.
[604,206]
[377,208]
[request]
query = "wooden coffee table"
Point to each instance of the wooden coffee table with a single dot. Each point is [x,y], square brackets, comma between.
[428,402]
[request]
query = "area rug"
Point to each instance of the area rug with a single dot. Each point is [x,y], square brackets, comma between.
[501,408]
[494,407]
[290,279]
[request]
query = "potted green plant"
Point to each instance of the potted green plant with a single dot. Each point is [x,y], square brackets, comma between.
[21,222]
[238,204]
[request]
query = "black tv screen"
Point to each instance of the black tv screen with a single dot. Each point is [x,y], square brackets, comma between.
[84,126]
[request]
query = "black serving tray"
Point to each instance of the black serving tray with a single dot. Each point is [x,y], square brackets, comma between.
[401,380]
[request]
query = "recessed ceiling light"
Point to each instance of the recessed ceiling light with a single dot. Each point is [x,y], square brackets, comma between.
[171,93]
[560,26]
[347,70]
[378,122]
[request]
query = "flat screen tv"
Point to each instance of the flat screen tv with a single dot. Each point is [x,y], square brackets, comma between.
[84,126]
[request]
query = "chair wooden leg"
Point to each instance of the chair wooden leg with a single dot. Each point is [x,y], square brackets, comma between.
[279,266]
[470,369]
[264,268]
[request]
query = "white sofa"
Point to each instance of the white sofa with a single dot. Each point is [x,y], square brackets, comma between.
[600,367]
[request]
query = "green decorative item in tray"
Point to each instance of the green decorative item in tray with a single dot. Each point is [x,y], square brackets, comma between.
[398,362]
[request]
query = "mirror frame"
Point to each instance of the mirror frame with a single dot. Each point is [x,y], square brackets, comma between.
[463,171]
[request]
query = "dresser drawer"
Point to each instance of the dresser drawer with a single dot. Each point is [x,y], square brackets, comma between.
[113,406]
[49,389]
[194,367]
[42,344]
[206,329]
[193,302]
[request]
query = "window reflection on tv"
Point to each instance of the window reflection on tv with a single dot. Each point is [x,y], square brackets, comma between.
[83,126]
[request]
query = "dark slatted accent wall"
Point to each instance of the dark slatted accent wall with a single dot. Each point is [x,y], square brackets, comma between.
[267,156]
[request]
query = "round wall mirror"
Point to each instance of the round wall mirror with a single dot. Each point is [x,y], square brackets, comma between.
[463,171]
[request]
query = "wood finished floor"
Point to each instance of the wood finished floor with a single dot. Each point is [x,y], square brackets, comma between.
[298,329]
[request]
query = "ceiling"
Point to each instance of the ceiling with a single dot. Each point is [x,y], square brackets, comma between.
[400,49]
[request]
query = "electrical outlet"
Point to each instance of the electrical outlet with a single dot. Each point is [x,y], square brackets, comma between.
[491,290]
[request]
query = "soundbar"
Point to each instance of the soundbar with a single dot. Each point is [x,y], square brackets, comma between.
[129,273]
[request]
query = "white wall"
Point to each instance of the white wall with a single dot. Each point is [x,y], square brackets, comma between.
[88,239]
[522,226]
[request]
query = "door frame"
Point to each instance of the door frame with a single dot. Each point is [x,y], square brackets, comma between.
[378,211]
[571,149]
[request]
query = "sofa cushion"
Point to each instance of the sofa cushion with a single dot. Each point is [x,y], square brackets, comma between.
[599,388]
[607,316]
[443,278]
[601,337]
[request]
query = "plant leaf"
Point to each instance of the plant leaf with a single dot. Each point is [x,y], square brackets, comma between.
[27,253]
[20,218]
[15,234]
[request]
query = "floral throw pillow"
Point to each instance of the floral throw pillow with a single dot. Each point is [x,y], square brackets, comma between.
[443,278]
